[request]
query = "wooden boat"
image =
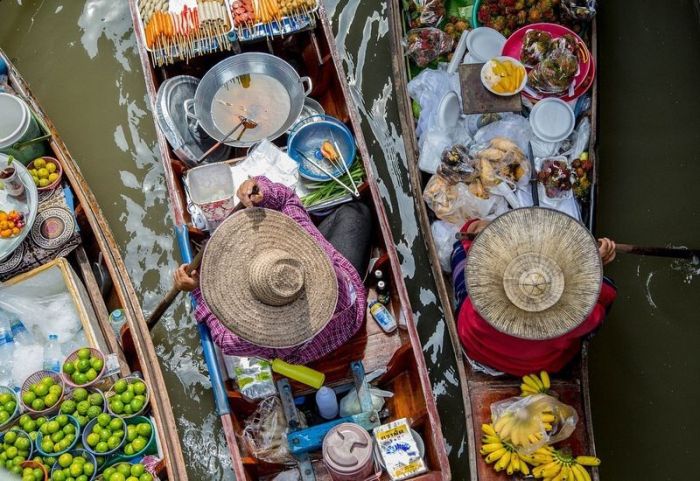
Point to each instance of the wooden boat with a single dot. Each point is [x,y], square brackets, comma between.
[480,390]
[99,252]
[314,53]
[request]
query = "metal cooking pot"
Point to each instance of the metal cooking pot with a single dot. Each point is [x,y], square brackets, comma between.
[231,70]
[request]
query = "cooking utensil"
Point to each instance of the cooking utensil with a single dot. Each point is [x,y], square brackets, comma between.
[308,136]
[273,91]
[328,173]
[245,122]
[345,166]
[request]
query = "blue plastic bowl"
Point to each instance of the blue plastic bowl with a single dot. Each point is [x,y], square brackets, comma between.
[308,135]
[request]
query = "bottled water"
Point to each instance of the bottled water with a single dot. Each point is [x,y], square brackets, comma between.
[117,319]
[327,403]
[7,350]
[52,354]
[20,334]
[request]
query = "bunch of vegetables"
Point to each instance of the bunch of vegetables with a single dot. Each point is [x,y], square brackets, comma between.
[331,190]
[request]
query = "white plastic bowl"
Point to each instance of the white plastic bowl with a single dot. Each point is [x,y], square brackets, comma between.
[486,69]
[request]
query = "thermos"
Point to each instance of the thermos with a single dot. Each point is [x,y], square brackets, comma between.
[347,452]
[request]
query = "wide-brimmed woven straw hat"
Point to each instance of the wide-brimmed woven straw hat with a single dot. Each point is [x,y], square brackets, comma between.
[534,273]
[267,280]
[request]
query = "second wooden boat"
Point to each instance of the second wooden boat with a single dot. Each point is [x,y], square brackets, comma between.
[313,53]
[102,281]
[480,390]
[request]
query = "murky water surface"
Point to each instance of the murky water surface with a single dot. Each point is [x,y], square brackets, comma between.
[80,59]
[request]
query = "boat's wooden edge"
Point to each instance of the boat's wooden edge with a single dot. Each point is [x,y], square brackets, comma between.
[438,439]
[160,404]
[411,148]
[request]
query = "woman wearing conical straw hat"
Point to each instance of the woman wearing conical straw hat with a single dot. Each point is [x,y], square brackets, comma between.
[529,288]
[273,285]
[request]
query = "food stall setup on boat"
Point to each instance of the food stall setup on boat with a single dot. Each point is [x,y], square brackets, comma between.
[252,110]
[498,109]
[81,392]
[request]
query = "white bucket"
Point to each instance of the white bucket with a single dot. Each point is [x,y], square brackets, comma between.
[17,125]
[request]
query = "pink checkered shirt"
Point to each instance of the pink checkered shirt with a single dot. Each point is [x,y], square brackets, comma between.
[348,316]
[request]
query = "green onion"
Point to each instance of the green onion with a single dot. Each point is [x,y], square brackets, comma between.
[331,189]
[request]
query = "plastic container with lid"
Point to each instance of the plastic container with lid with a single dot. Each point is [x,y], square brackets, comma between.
[211,188]
[17,128]
[347,452]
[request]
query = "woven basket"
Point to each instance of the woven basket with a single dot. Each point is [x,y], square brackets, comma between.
[73,356]
[88,430]
[35,465]
[7,390]
[23,434]
[129,380]
[40,438]
[79,452]
[35,378]
[90,390]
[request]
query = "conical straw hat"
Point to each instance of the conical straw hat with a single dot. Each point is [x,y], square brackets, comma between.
[267,280]
[534,273]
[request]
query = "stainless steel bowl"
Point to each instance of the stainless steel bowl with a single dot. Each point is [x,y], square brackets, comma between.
[245,64]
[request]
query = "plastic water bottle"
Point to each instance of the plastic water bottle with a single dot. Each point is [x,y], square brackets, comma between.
[327,403]
[20,333]
[3,76]
[52,354]
[117,319]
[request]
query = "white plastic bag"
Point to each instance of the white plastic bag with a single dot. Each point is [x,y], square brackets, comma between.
[444,237]
[428,88]
[456,204]
[511,126]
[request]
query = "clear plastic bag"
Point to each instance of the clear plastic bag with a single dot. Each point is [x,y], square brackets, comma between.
[515,128]
[265,433]
[423,45]
[426,12]
[428,88]
[533,421]
[457,203]
[253,377]
[444,237]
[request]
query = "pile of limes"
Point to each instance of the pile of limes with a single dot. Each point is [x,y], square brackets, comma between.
[83,405]
[8,404]
[32,474]
[14,450]
[106,435]
[137,437]
[43,172]
[127,472]
[31,426]
[42,395]
[129,397]
[76,467]
[58,435]
[84,369]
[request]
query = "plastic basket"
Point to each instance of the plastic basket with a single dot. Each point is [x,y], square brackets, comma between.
[73,356]
[90,390]
[13,416]
[100,477]
[35,378]
[151,446]
[79,452]
[40,438]
[88,430]
[35,465]
[23,434]
[129,380]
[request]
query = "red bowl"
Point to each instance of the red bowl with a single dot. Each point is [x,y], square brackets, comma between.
[59,171]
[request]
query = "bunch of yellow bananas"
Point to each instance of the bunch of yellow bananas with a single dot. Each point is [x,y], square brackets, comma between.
[553,465]
[502,453]
[523,428]
[534,384]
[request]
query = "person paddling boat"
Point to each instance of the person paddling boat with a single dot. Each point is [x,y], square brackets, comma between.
[529,288]
[273,285]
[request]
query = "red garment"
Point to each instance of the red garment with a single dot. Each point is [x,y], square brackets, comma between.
[517,356]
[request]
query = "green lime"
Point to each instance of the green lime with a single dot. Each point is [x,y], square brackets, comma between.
[96,399]
[22,443]
[120,386]
[58,476]
[88,469]
[82,407]
[10,437]
[138,444]
[83,365]
[47,381]
[109,472]
[93,439]
[68,406]
[38,405]
[127,409]
[116,424]
[4,417]
[117,477]
[56,390]
[144,429]
[28,398]
[82,420]
[84,353]
[91,375]
[68,368]
[101,447]
[97,364]
[124,469]
[129,450]
[113,442]
[80,394]
[104,435]
[52,426]
[94,411]
[57,436]
[50,399]
[65,460]
[116,406]
[137,469]
[104,419]
[40,389]
[139,387]
[31,425]
[76,469]
[69,429]
[132,478]
[61,419]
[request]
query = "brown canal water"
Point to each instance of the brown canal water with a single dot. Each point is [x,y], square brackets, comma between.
[80,59]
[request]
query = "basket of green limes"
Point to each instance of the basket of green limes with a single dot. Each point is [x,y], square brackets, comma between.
[104,435]
[42,392]
[9,406]
[57,436]
[73,464]
[121,471]
[15,448]
[83,367]
[35,471]
[127,397]
[84,404]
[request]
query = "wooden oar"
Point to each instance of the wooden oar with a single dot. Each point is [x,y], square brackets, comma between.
[164,304]
[673,252]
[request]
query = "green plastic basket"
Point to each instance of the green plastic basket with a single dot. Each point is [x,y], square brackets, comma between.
[151,445]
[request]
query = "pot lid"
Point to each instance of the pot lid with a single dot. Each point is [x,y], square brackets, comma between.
[188,140]
[347,448]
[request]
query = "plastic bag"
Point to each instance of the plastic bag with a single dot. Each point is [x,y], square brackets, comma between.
[423,45]
[554,177]
[533,421]
[436,140]
[515,128]
[555,73]
[265,433]
[456,165]
[425,12]
[428,88]
[253,377]
[456,203]
[579,10]
[349,405]
[444,237]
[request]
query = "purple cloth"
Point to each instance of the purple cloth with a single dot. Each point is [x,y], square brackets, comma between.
[348,317]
